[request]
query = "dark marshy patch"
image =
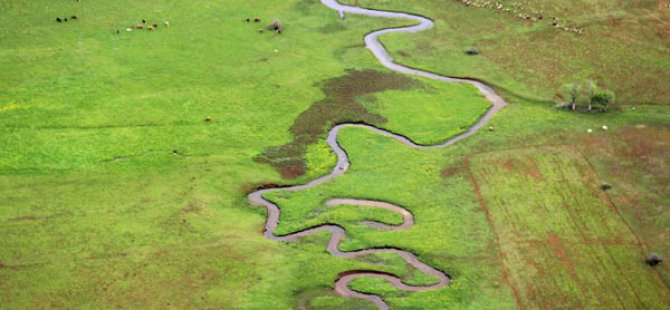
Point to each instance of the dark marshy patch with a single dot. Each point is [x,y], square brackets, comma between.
[339,106]
[333,27]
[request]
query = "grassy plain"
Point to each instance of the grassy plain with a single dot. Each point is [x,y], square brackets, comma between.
[116,193]
[563,241]
[624,45]
[558,240]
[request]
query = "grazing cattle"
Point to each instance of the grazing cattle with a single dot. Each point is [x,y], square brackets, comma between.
[654,260]
[73,17]
[65,19]
[167,24]
[472,51]
[248,20]
[257,20]
[144,21]
[150,28]
[59,20]
[154,25]
[139,27]
[275,25]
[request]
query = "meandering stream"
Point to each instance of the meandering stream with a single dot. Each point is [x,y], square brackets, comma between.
[337,232]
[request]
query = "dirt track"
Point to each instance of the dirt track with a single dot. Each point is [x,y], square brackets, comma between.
[337,232]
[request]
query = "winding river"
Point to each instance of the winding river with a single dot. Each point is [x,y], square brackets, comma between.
[337,232]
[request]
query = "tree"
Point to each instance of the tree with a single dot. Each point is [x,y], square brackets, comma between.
[591,90]
[571,92]
[586,94]
[601,99]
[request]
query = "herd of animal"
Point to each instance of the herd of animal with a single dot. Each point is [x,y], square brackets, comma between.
[275,26]
[64,19]
[522,11]
[141,26]
[149,27]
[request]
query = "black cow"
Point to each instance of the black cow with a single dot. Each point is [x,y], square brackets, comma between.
[73,17]
[257,20]
[654,260]
[59,20]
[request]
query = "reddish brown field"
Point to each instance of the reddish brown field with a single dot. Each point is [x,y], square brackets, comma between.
[563,242]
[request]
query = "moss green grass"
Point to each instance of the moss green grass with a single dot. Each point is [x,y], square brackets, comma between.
[115,191]
[624,45]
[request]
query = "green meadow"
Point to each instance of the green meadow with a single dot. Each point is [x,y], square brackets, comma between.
[623,45]
[126,158]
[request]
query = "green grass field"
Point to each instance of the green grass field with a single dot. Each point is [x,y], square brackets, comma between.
[623,46]
[563,241]
[115,192]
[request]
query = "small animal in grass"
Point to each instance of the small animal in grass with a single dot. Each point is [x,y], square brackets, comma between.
[144,21]
[139,27]
[150,28]
[167,24]
[654,260]
[73,17]
[154,25]
[65,19]
[247,20]
[59,20]
[257,20]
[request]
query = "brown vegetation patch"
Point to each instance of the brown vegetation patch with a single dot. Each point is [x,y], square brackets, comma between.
[641,142]
[526,167]
[33,218]
[191,207]
[339,106]
[559,250]
[515,291]
[456,169]
[29,218]
[532,169]
[662,28]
